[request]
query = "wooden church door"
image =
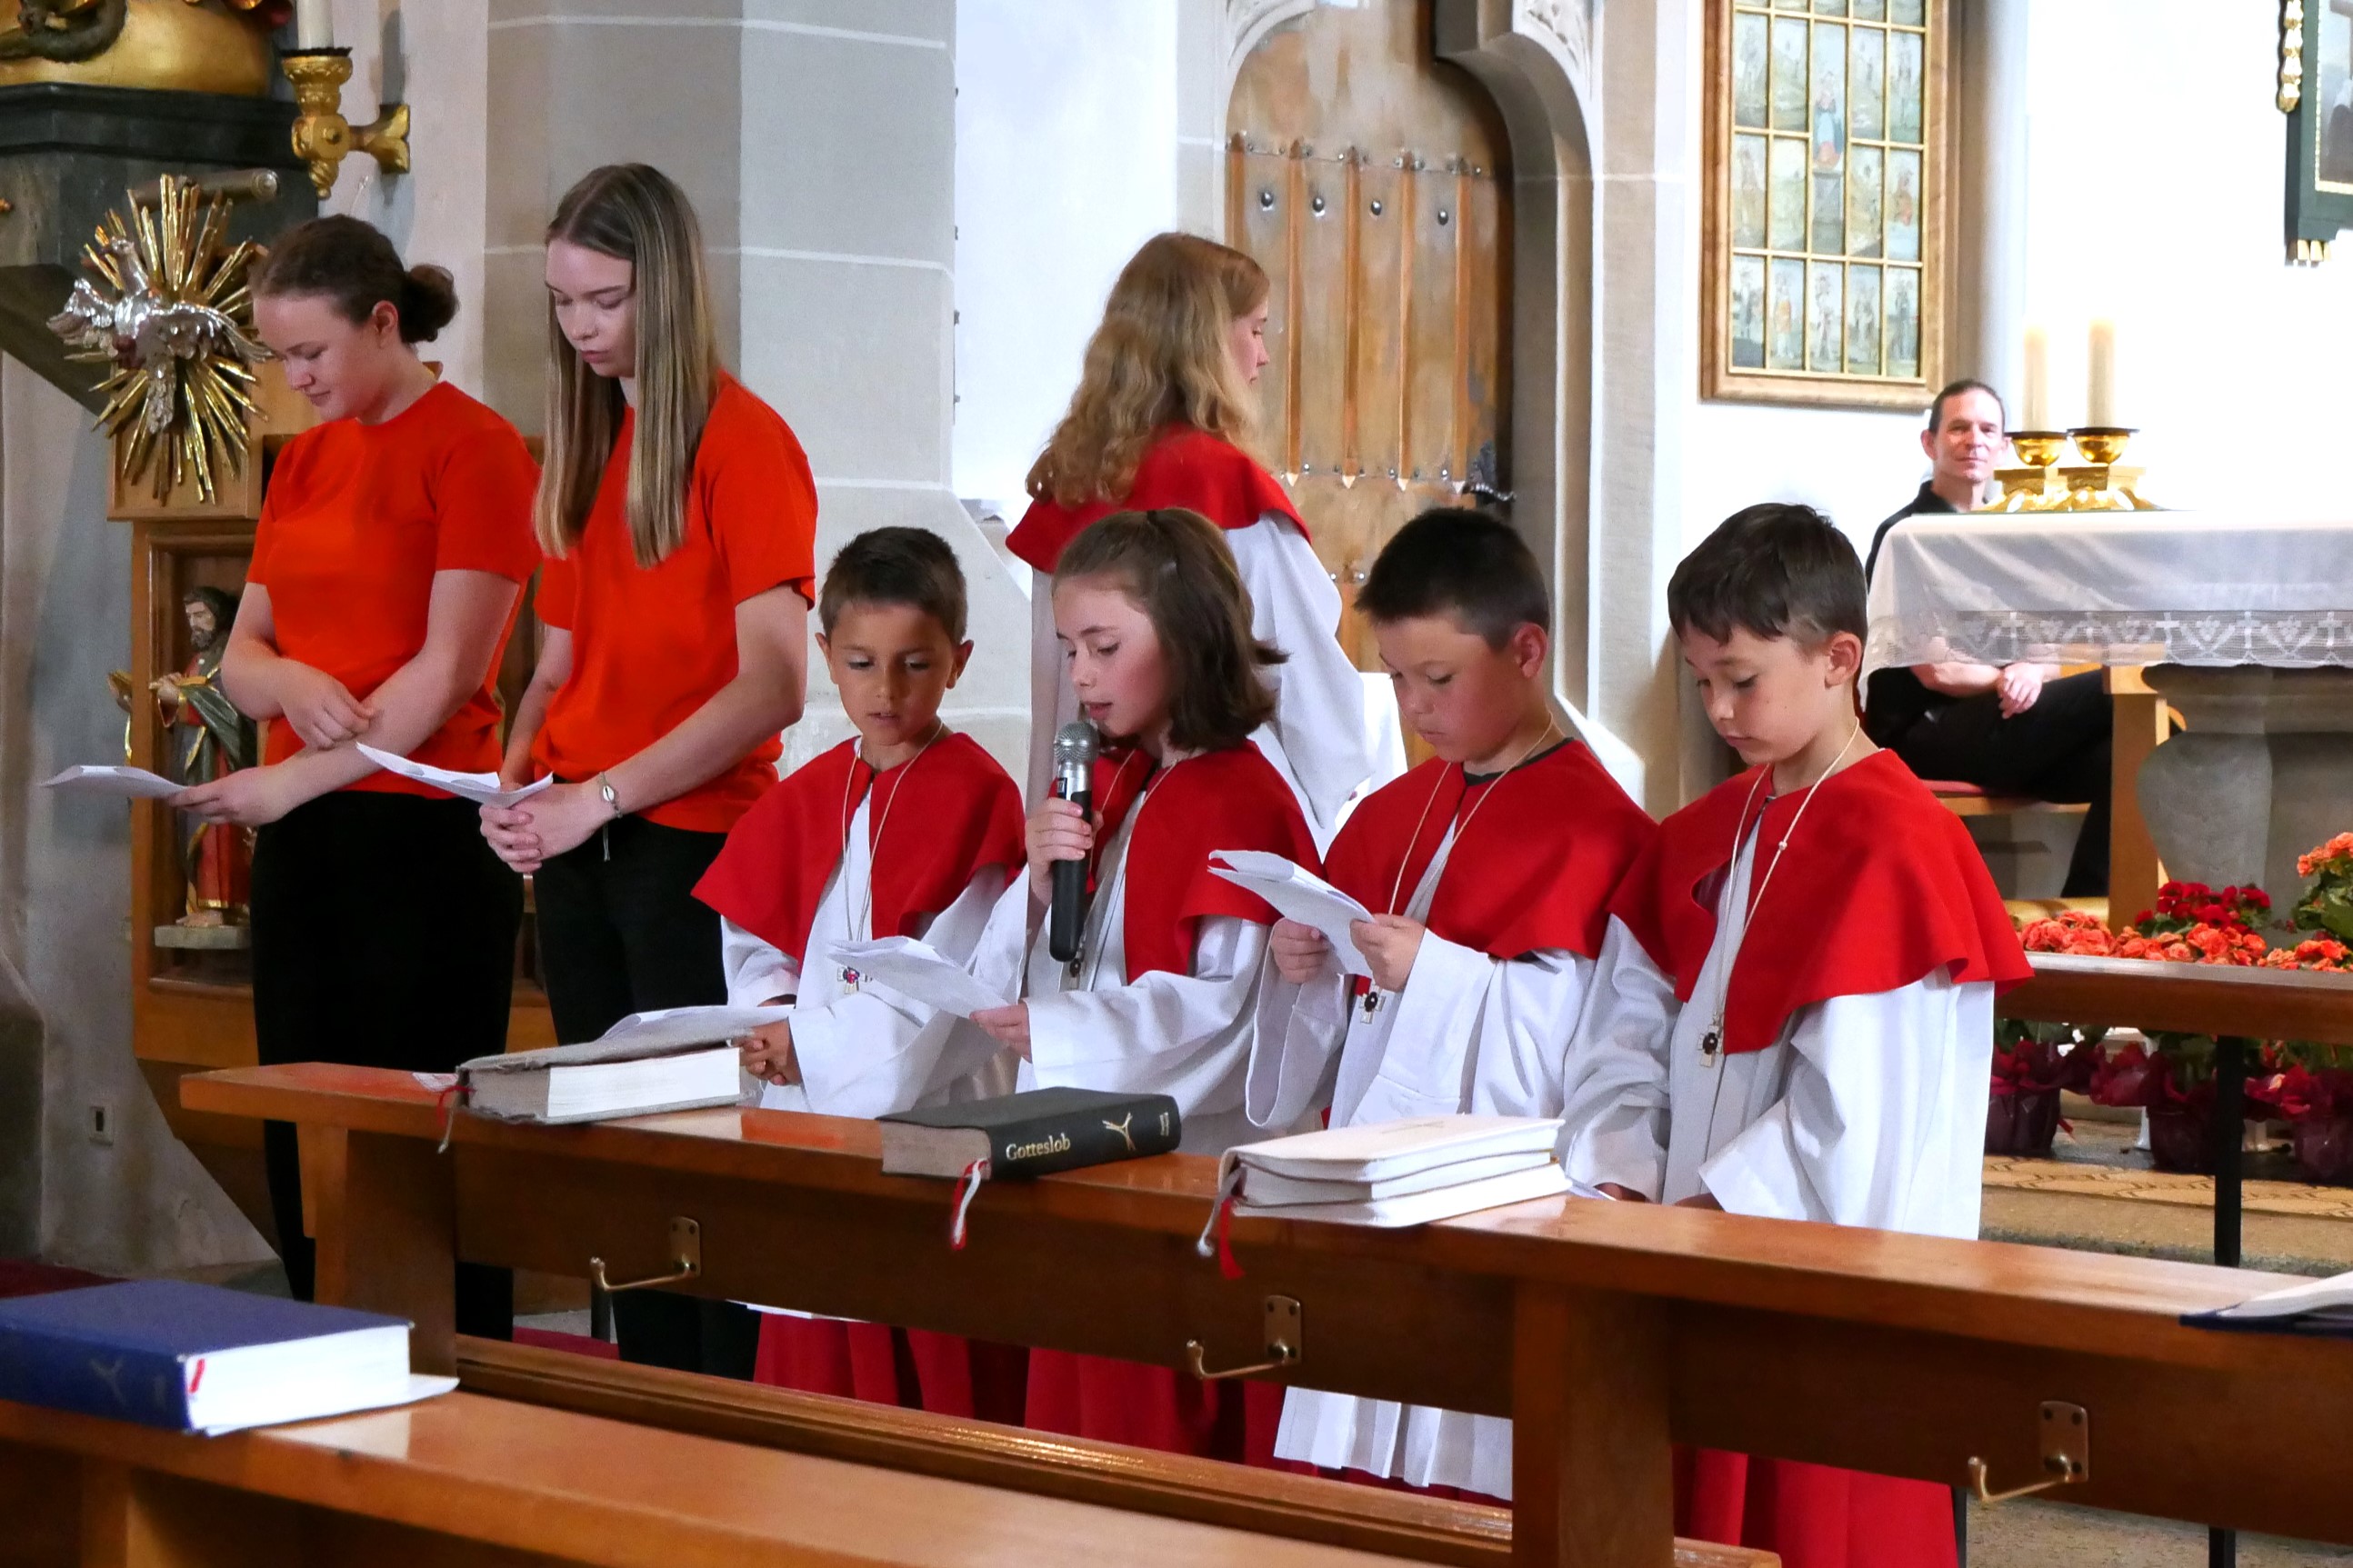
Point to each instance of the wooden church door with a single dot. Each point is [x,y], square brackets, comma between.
[1370,179]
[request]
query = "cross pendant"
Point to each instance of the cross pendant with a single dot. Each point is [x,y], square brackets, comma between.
[1372,1005]
[851,979]
[1711,1045]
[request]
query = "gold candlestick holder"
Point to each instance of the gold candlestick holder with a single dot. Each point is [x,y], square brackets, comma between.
[2033,487]
[2099,483]
[322,137]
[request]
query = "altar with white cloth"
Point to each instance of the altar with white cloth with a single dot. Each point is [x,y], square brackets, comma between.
[2247,629]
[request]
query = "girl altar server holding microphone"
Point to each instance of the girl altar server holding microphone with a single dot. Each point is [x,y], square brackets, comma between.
[678,517]
[1793,1012]
[908,829]
[1170,992]
[1161,418]
[392,550]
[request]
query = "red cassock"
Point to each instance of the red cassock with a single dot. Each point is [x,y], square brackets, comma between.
[1894,889]
[1231,799]
[958,815]
[1182,467]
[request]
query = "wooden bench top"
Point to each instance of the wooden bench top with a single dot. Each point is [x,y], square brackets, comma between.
[1605,1331]
[2193,998]
[589,1491]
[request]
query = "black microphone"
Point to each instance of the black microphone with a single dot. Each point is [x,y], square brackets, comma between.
[1075,765]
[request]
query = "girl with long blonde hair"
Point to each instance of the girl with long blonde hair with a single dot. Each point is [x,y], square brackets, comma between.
[1162,418]
[678,518]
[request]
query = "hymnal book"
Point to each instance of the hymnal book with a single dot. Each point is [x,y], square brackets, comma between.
[1265,1189]
[675,1058]
[1032,1134]
[2322,1308]
[198,1358]
[1407,1172]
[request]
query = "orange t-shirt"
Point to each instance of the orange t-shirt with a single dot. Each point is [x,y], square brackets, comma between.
[650,646]
[358,519]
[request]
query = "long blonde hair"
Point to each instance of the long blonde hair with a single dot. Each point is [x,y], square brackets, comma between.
[637,213]
[1160,357]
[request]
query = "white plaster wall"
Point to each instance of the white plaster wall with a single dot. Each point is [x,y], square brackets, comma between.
[1066,157]
[431,55]
[2153,197]
[2154,193]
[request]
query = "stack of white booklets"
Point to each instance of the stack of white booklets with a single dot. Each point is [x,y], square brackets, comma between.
[677,1059]
[1403,1173]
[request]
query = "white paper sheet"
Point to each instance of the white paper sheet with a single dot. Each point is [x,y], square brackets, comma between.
[481,788]
[667,1028]
[1300,895]
[918,969]
[422,1385]
[99,778]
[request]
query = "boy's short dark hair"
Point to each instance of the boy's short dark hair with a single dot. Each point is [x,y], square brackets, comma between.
[1775,570]
[1461,563]
[912,567]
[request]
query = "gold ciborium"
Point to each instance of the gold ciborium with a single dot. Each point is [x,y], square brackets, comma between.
[2031,488]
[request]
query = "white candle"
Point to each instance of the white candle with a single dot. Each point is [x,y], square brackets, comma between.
[2034,395]
[2100,406]
[314,24]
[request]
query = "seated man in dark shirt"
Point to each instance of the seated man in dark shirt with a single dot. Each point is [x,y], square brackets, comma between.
[2020,728]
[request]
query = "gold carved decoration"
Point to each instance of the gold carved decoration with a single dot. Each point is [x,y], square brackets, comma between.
[179,330]
[2290,71]
[185,45]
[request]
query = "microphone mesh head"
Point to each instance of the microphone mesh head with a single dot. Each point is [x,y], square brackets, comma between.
[1075,744]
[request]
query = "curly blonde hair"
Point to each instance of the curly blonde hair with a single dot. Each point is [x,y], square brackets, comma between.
[1159,358]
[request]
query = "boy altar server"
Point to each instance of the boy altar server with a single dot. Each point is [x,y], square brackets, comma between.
[1793,1014]
[1490,871]
[907,829]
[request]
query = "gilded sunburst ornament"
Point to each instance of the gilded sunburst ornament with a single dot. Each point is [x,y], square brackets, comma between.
[179,330]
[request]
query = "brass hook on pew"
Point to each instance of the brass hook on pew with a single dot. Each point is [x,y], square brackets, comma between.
[1286,1343]
[2067,1454]
[686,1258]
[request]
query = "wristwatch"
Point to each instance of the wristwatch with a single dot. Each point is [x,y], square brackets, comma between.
[612,797]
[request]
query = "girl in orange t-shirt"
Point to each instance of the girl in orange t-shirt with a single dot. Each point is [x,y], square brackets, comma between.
[393,546]
[679,519]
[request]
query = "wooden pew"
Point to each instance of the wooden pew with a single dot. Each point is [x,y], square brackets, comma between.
[1606,1330]
[1270,1502]
[489,1483]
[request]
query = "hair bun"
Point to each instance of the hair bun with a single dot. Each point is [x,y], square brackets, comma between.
[428,302]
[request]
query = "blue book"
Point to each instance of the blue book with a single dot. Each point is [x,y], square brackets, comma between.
[197,1358]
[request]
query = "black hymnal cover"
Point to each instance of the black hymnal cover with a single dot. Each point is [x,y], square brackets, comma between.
[1031,1133]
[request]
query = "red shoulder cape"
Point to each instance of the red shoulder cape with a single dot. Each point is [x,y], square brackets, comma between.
[1231,799]
[1880,887]
[952,812]
[1537,864]
[1184,466]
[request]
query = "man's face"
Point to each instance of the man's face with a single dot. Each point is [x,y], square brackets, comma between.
[1967,440]
[203,625]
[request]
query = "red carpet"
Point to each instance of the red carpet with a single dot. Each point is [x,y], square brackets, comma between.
[19,1277]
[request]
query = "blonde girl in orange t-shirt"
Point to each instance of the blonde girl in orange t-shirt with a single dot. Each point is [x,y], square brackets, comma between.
[678,517]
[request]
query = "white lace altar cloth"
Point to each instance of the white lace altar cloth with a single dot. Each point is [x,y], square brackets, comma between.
[2162,588]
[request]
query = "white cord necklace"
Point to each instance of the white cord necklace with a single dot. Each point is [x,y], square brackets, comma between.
[1711,1045]
[1372,1000]
[851,978]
